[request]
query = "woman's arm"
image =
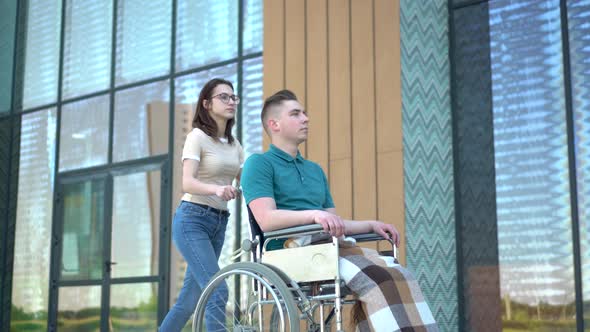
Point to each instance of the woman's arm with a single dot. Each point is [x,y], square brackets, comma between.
[192,185]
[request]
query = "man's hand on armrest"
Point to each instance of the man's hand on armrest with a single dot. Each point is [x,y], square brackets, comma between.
[270,218]
[370,226]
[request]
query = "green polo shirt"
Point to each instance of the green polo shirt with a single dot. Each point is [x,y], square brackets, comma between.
[294,183]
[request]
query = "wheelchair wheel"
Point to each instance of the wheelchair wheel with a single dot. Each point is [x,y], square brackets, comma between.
[264,302]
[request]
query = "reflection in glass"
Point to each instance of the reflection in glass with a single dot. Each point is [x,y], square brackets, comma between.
[30,278]
[143,39]
[87,47]
[533,202]
[141,121]
[207,32]
[82,238]
[251,106]
[84,134]
[251,126]
[136,224]
[186,95]
[7,28]
[78,309]
[579,30]
[252,26]
[42,52]
[134,307]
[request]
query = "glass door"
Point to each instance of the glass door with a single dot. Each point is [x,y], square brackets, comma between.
[106,269]
[78,273]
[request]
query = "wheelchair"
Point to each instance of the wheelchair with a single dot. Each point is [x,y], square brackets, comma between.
[291,289]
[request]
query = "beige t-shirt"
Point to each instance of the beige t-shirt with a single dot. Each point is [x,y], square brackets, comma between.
[219,163]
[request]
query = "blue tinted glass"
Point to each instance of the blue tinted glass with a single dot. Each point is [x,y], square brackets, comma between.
[30,278]
[531,156]
[42,52]
[207,32]
[7,29]
[143,39]
[252,26]
[579,40]
[251,106]
[84,134]
[87,53]
[141,121]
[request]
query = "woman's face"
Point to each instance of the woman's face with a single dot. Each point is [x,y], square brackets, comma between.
[217,106]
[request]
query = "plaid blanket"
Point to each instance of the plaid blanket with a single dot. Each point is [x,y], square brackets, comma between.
[390,295]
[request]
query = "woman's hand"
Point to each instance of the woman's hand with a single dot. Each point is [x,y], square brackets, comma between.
[227,192]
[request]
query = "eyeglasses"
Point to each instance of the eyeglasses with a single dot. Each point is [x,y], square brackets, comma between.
[224,97]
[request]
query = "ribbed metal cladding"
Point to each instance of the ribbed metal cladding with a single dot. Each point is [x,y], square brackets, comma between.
[428,155]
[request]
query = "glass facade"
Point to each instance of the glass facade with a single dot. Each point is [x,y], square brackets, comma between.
[98,96]
[521,71]
[104,115]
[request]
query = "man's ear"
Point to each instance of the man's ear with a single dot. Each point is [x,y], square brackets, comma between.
[273,124]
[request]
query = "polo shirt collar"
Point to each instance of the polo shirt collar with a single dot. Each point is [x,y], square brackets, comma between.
[284,155]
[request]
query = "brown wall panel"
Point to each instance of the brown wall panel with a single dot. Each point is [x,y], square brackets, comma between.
[388,114]
[363,111]
[340,127]
[317,82]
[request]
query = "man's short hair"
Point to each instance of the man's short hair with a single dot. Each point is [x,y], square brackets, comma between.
[271,102]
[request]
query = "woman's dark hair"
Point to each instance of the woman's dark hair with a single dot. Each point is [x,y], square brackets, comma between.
[203,119]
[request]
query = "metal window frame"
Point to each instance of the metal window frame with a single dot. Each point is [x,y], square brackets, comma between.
[16,112]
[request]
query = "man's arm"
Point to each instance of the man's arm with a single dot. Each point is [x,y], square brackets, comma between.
[368,226]
[270,218]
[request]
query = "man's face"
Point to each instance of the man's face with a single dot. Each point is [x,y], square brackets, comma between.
[292,122]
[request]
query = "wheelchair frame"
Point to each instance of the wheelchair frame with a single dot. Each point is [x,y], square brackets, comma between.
[271,277]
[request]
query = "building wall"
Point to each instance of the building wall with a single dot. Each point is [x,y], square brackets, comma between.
[342,59]
[428,155]
[348,65]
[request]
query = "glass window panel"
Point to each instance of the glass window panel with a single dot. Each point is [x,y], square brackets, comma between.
[134,307]
[87,47]
[141,121]
[531,156]
[30,278]
[42,52]
[207,32]
[253,21]
[82,238]
[251,106]
[252,100]
[143,39]
[7,29]
[79,308]
[84,133]
[579,43]
[136,225]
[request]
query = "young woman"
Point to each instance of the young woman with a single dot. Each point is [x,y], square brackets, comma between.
[211,160]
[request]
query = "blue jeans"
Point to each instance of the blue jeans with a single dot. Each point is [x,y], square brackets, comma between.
[198,233]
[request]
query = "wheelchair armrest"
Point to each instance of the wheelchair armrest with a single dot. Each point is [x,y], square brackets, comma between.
[294,231]
[367,237]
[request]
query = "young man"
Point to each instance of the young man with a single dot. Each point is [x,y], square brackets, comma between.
[284,190]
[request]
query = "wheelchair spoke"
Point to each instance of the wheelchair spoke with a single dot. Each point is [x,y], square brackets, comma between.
[262,302]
